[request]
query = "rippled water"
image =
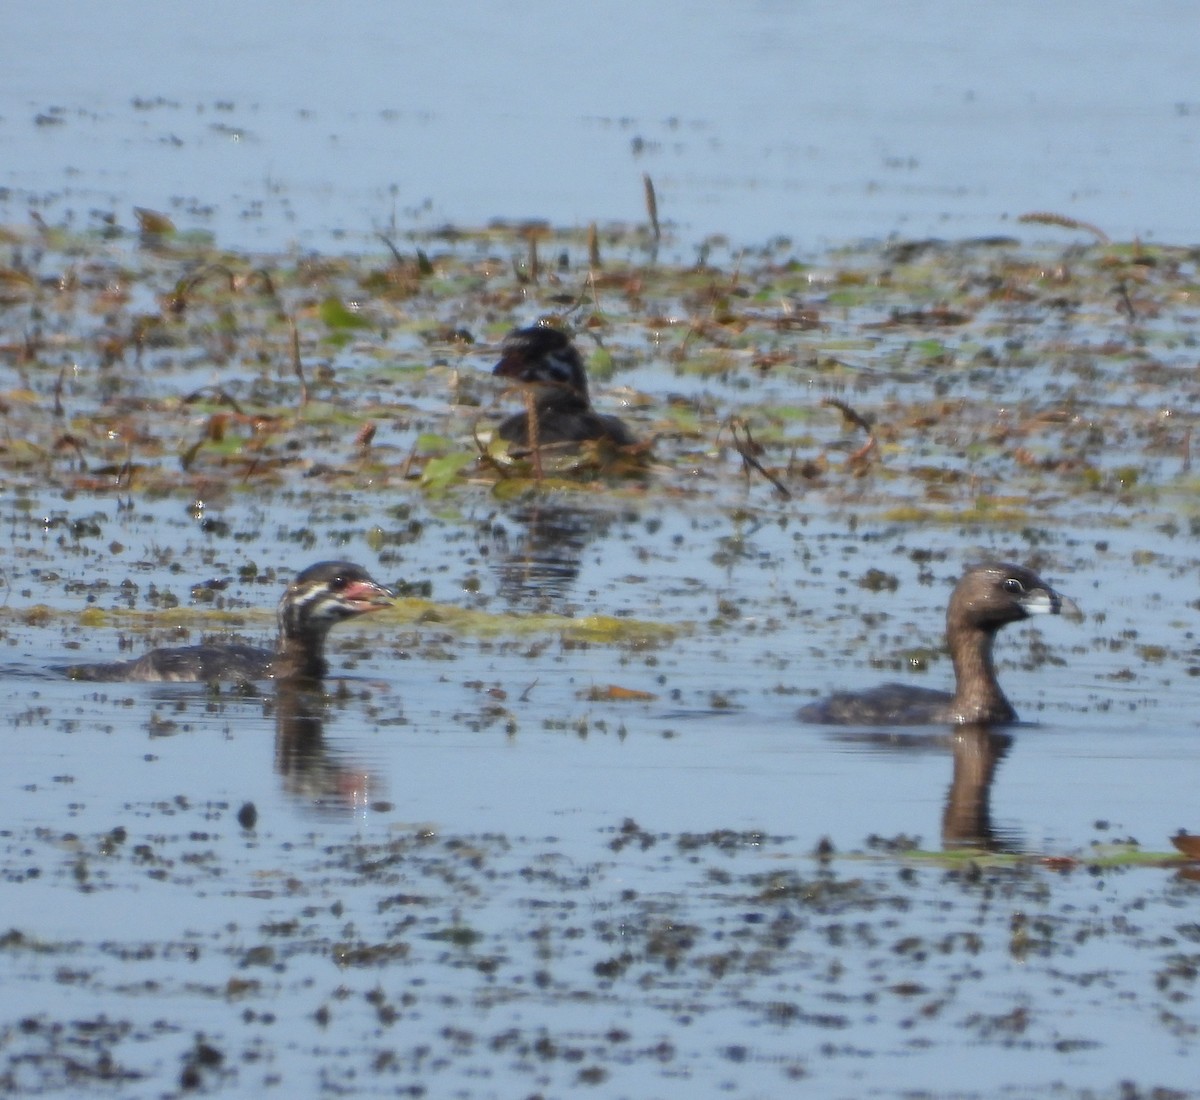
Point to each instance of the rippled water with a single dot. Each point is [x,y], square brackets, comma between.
[473,870]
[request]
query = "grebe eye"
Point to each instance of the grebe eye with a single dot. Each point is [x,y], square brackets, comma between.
[1011,584]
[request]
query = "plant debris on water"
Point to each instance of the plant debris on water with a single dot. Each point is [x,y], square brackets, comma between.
[824,441]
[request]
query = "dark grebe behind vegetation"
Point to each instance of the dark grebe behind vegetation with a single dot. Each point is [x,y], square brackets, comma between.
[321,596]
[544,359]
[988,597]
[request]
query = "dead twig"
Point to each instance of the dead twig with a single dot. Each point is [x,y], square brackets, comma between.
[535,267]
[593,243]
[1041,217]
[406,466]
[852,416]
[297,365]
[392,249]
[534,434]
[261,276]
[177,301]
[365,436]
[857,460]
[651,206]
[70,442]
[215,394]
[125,473]
[1125,302]
[749,451]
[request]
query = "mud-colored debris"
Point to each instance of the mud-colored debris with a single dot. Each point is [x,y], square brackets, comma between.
[615,693]
[1188,844]
[424,910]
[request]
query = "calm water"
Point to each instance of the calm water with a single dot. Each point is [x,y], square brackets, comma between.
[487,749]
[466,783]
[296,124]
[725,689]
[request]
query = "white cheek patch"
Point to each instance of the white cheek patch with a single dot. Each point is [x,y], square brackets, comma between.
[558,369]
[1040,603]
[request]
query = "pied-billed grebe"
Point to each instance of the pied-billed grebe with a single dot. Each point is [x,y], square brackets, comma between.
[320,596]
[986,598]
[545,360]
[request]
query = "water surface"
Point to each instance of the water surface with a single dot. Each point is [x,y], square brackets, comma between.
[474,868]
[297,125]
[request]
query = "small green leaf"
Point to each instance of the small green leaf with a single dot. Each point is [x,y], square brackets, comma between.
[601,364]
[336,315]
[440,472]
[428,442]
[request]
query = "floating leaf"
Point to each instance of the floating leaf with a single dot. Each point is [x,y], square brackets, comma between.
[429,441]
[601,364]
[1188,844]
[337,315]
[440,472]
[613,693]
[151,221]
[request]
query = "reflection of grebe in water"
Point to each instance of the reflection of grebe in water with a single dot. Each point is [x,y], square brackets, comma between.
[321,596]
[987,597]
[546,361]
[978,751]
[967,818]
[539,563]
[309,769]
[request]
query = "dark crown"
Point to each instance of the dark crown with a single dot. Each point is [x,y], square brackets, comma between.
[541,356]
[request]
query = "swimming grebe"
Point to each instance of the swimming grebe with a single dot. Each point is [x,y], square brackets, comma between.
[986,598]
[545,360]
[320,596]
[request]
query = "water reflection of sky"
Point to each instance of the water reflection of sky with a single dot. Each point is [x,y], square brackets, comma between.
[414,747]
[304,124]
[280,124]
[770,613]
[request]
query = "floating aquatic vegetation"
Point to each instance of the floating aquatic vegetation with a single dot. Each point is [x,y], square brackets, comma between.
[760,344]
